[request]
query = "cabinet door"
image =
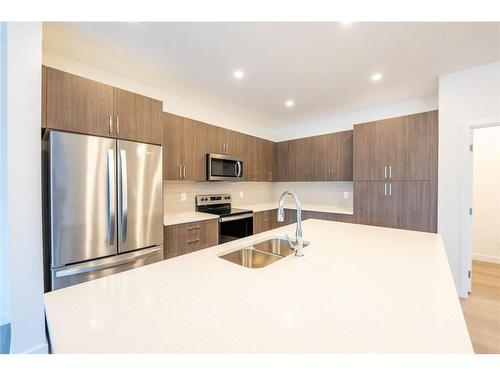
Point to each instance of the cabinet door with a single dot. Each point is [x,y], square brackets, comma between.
[138,118]
[339,155]
[408,206]
[44,97]
[370,151]
[253,159]
[370,202]
[282,156]
[269,160]
[173,147]
[409,146]
[259,222]
[194,139]
[77,104]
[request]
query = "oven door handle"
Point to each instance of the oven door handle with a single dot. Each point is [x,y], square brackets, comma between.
[235,217]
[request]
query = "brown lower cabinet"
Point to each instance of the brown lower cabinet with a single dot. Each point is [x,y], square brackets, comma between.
[396,204]
[267,220]
[182,239]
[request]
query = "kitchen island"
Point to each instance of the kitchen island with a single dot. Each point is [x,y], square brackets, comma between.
[357,289]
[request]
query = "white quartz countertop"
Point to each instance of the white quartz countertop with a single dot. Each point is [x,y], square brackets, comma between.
[186,217]
[192,216]
[357,289]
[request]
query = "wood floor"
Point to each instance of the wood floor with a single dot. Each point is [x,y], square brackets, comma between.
[482,308]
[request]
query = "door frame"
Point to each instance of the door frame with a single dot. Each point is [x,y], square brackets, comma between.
[467,200]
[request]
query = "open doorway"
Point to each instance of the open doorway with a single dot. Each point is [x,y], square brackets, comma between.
[482,308]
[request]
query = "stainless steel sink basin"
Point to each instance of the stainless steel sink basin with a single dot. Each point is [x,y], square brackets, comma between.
[276,245]
[262,253]
[251,258]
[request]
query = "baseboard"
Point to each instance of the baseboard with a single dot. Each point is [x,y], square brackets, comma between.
[486,258]
[42,349]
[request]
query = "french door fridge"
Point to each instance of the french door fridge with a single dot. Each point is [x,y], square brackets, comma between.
[105,206]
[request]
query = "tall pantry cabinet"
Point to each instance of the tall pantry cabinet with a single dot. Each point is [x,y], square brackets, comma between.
[395,172]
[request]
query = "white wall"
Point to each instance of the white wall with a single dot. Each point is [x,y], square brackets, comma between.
[486,195]
[4,254]
[171,102]
[24,54]
[346,120]
[466,98]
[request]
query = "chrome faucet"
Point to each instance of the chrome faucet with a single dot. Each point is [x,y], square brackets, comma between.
[297,244]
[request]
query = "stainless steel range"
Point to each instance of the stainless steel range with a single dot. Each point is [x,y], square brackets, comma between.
[234,223]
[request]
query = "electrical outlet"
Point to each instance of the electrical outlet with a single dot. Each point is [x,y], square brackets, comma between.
[183,197]
[242,194]
[346,195]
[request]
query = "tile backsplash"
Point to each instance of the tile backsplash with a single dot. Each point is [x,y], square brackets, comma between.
[327,193]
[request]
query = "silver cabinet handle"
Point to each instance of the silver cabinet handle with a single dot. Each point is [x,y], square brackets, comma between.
[385,171]
[117,125]
[390,171]
[111,208]
[385,189]
[180,172]
[184,172]
[110,124]
[123,195]
[390,189]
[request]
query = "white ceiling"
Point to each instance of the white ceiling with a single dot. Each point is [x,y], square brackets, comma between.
[324,67]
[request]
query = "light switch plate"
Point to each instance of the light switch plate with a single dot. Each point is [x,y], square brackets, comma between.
[183,197]
[242,194]
[346,195]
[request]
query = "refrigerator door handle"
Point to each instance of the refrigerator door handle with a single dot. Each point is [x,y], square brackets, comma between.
[104,263]
[111,199]
[123,195]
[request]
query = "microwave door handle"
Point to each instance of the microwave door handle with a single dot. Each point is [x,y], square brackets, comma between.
[236,169]
[238,165]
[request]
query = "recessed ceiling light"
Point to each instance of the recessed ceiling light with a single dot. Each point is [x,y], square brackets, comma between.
[238,74]
[377,77]
[289,103]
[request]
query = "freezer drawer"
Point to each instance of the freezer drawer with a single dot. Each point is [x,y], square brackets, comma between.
[75,274]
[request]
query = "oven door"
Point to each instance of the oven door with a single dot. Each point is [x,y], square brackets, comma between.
[235,227]
[224,168]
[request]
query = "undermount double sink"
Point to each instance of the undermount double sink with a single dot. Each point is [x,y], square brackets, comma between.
[262,253]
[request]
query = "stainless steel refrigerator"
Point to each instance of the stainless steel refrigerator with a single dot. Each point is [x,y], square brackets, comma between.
[104,206]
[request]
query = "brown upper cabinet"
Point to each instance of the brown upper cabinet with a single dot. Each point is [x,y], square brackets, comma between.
[44,97]
[81,105]
[394,149]
[184,148]
[321,158]
[137,117]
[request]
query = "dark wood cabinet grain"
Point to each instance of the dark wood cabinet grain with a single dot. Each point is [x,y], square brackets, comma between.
[370,142]
[137,117]
[80,105]
[77,104]
[184,148]
[43,119]
[183,239]
[320,158]
[398,190]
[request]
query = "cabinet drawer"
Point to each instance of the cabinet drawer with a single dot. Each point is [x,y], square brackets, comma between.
[185,238]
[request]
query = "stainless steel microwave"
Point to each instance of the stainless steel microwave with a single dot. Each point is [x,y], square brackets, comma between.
[224,168]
